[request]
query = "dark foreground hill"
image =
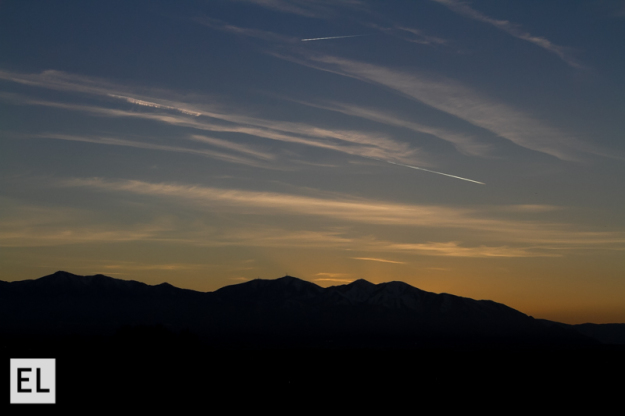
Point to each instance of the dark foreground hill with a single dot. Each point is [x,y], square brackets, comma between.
[267,343]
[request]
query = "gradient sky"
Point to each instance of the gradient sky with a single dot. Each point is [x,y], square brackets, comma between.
[473,148]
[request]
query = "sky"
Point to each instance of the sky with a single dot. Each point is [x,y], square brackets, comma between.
[467,147]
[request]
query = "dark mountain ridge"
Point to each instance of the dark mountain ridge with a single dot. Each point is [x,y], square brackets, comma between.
[280,312]
[119,342]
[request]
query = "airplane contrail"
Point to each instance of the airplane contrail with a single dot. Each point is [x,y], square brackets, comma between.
[333,37]
[433,171]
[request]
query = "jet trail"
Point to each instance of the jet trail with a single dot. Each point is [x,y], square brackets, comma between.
[333,37]
[433,171]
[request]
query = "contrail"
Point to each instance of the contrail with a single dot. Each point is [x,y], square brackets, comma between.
[433,171]
[333,37]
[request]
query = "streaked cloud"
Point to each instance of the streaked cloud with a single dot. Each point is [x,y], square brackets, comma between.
[331,275]
[28,226]
[529,208]
[62,81]
[462,102]
[285,6]
[132,266]
[209,118]
[276,237]
[45,235]
[512,29]
[347,281]
[306,8]
[541,235]
[378,260]
[332,37]
[408,34]
[463,142]
[245,31]
[419,36]
[454,249]
[151,146]
[233,146]
[366,211]
[155,105]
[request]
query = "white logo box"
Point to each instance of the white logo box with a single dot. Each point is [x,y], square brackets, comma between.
[33,380]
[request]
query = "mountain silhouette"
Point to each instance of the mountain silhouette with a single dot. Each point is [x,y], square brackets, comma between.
[287,340]
[272,313]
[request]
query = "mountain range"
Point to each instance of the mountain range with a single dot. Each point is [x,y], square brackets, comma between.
[285,312]
[291,342]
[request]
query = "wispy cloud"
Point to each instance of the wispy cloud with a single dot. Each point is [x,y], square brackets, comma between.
[174,267]
[285,6]
[353,143]
[46,235]
[345,141]
[541,235]
[345,209]
[152,146]
[334,280]
[233,146]
[460,101]
[62,81]
[418,36]
[454,249]
[274,237]
[28,226]
[307,8]
[513,29]
[331,275]
[245,32]
[209,118]
[24,225]
[378,260]
[155,105]
[463,142]
[408,34]
[529,208]
[332,37]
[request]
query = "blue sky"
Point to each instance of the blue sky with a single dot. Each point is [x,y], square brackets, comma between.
[473,148]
